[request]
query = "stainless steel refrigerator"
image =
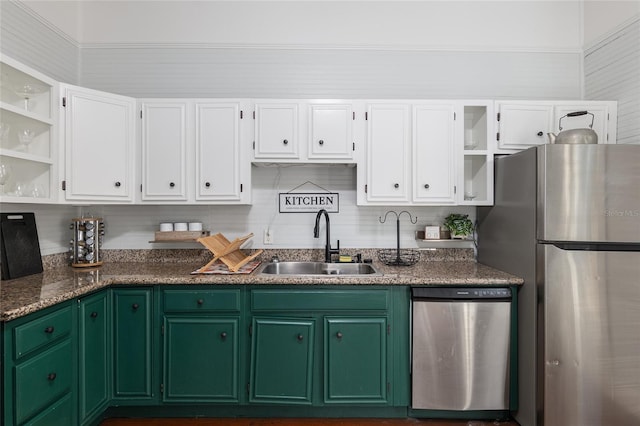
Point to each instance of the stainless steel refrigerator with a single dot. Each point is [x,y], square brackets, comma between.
[567,219]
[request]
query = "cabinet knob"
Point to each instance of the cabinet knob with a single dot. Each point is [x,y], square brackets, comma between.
[118,184]
[540,133]
[51,376]
[135,306]
[339,335]
[285,142]
[207,184]
[49,330]
[300,337]
[321,142]
[93,315]
[426,186]
[223,335]
[200,301]
[396,185]
[172,184]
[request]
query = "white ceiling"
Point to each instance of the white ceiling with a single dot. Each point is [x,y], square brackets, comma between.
[475,24]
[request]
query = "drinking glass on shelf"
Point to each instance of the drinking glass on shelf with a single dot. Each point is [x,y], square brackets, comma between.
[5,175]
[19,189]
[27,90]
[37,191]
[4,131]
[25,136]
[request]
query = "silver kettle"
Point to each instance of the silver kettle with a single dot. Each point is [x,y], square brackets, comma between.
[575,136]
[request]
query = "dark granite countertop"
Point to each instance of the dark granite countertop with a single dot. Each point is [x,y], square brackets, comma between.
[29,294]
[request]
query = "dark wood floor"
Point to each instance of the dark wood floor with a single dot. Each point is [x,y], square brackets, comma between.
[300,422]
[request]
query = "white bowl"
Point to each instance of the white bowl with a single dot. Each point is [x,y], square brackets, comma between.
[180,226]
[195,226]
[166,227]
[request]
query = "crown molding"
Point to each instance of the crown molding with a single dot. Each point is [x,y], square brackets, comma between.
[393,48]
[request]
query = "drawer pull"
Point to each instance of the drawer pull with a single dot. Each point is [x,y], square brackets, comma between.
[285,142]
[51,376]
[135,306]
[540,133]
[223,335]
[396,185]
[94,315]
[339,335]
[49,330]
[200,302]
[300,337]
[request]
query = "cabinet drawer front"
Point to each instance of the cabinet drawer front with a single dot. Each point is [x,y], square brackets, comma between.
[59,414]
[201,300]
[42,380]
[319,300]
[42,331]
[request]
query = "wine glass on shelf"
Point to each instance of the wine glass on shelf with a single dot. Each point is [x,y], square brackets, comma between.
[5,174]
[27,90]
[25,136]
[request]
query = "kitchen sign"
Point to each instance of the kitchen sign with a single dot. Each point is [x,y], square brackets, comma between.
[309,202]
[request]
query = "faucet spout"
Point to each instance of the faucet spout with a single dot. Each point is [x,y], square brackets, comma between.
[328,251]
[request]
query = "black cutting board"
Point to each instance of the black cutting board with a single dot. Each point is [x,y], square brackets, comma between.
[20,247]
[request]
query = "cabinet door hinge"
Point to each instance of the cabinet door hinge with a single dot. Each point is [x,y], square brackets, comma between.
[254,115]
[454,116]
[64,101]
[161,387]
[353,146]
[248,388]
[250,330]
[241,115]
[366,115]
[455,189]
[254,145]
[498,136]
[388,386]
[140,187]
[366,188]
[140,114]
[64,185]
[388,329]
[162,330]
[607,116]
[498,116]
[240,187]
[353,115]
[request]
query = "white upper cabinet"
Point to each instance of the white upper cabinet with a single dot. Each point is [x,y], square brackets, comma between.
[304,131]
[223,168]
[99,135]
[523,124]
[388,167]
[192,151]
[164,150]
[475,173]
[276,130]
[28,141]
[331,131]
[433,153]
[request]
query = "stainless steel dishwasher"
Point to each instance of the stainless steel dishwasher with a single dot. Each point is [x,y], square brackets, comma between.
[460,348]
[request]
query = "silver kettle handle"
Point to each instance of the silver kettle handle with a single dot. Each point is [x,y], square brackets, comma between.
[576,114]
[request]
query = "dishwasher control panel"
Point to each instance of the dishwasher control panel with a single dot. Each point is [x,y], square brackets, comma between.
[460,293]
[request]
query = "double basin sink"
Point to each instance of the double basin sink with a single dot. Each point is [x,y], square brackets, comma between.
[318,269]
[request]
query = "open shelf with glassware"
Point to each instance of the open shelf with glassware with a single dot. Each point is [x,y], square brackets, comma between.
[28,156]
[477,155]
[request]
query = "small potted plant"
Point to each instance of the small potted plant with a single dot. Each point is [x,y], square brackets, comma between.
[459,225]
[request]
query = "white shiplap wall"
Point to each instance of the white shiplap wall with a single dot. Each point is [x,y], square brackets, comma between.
[612,72]
[24,36]
[134,226]
[331,73]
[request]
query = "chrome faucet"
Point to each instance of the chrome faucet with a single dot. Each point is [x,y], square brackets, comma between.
[328,251]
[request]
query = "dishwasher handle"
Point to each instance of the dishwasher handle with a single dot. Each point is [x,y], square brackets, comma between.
[460,293]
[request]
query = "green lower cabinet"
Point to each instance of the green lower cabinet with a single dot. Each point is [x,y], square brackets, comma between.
[282,352]
[200,359]
[132,340]
[59,414]
[355,361]
[94,361]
